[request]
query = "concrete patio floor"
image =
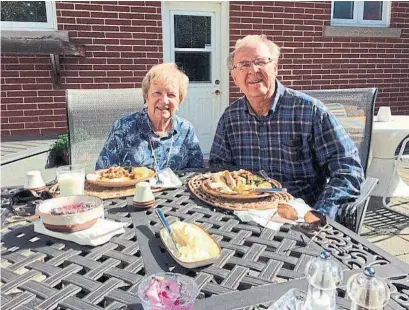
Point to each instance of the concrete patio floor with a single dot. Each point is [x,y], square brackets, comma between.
[389,228]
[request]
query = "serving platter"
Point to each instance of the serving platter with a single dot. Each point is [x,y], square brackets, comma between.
[96,178]
[264,203]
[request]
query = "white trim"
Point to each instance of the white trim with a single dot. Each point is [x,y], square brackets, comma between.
[358,16]
[167,6]
[225,51]
[51,23]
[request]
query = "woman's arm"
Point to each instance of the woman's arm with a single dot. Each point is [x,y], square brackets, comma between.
[111,152]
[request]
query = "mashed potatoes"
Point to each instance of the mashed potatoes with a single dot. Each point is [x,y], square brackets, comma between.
[193,243]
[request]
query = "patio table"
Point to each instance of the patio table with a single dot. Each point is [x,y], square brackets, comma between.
[256,267]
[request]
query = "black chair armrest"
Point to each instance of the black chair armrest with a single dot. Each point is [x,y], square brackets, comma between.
[352,214]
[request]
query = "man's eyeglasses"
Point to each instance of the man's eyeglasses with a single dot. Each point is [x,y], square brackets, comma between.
[246,64]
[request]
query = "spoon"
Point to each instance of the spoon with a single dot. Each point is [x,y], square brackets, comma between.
[166,225]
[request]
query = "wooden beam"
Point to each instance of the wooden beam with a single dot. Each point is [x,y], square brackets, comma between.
[55,62]
[39,42]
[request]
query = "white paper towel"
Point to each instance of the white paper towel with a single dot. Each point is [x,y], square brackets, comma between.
[101,232]
[270,218]
[168,177]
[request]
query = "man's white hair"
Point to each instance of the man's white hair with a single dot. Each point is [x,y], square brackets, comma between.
[253,38]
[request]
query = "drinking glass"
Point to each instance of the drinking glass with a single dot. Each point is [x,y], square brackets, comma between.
[170,291]
[71,180]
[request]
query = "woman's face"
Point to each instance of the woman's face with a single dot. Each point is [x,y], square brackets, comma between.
[163,100]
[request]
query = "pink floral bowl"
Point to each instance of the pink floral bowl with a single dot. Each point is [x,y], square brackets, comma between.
[169,291]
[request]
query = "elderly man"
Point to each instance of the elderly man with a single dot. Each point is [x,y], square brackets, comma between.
[290,135]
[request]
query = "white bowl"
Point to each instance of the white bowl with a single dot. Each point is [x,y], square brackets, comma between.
[53,219]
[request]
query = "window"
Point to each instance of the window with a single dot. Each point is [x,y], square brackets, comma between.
[360,13]
[28,15]
[192,44]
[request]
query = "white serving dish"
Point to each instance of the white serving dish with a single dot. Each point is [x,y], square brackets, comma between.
[70,222]
[164,236]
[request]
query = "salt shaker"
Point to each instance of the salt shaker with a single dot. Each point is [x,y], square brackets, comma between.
[367,291]
[323,275]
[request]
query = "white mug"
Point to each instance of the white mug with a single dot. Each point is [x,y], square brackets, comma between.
[143,192]
[35,180]
[384,114]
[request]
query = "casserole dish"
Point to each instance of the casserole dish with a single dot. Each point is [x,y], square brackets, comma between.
[200,244]
[70,213]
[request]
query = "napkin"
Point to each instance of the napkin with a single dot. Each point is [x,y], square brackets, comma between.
[270,218]
[99,233]
[168,177]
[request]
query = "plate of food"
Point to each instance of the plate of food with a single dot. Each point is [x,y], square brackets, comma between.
[240,184]
[120,176]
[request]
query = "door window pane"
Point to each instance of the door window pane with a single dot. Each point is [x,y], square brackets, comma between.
[23,11]
[373,10]
[192,31]
[343,9]
[196,65]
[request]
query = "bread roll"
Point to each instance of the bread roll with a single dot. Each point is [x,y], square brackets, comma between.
[312,217]
[288,212]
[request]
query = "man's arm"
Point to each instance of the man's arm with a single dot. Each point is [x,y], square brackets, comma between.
[112,149]
[338,156]
[220,153]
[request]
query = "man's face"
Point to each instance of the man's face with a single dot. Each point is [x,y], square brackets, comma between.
[255,80]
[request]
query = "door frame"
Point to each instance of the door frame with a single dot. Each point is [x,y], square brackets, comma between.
[167,6]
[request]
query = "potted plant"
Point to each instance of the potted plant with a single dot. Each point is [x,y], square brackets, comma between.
[59,152]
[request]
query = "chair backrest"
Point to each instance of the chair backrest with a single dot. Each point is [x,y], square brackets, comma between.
[91,114]
[354,108]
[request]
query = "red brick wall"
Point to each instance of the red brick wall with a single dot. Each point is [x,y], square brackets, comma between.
[123,40]
[311,61]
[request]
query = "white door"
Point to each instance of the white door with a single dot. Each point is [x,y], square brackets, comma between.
[192,39]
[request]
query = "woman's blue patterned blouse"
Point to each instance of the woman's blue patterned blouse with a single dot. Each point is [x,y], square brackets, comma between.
[129,144]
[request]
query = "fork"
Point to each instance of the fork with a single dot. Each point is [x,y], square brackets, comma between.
[159,182]
[265,175]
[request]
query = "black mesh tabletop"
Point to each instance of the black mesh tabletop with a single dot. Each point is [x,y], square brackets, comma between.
[256,267]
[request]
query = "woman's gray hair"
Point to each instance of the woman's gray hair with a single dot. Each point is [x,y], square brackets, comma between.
[259,38]
[167,72]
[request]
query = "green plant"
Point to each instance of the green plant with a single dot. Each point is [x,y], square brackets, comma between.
[59,151]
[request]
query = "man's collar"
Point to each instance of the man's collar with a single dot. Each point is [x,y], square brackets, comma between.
[278,92]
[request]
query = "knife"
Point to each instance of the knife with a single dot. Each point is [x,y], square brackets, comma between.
[271,190]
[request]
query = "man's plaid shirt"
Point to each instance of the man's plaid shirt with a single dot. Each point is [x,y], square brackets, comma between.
[300,143]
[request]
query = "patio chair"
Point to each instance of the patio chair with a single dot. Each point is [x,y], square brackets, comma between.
[399,163]
[357,110]
[91,114]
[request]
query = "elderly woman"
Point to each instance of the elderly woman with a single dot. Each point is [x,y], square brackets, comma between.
[155,136]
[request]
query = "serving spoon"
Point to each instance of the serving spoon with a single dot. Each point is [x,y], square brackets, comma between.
[166,225]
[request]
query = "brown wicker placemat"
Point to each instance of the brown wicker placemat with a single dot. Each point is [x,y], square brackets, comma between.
[105,192]
[271,202]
